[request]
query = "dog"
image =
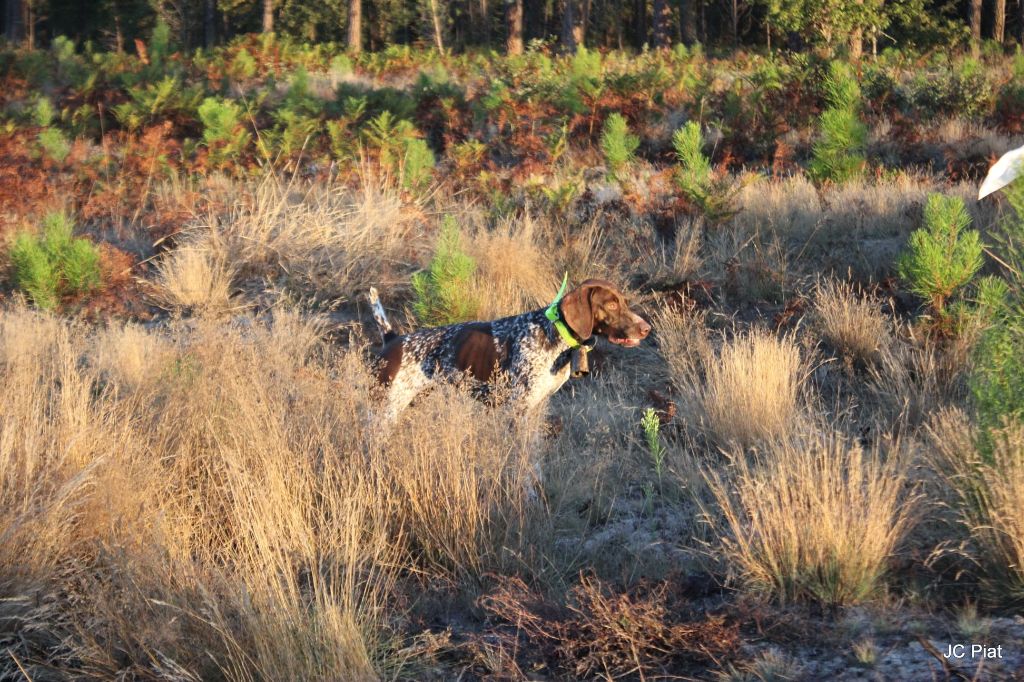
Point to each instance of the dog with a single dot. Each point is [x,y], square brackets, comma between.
[534,352]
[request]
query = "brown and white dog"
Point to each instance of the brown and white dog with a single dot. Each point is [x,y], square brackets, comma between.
[528,349]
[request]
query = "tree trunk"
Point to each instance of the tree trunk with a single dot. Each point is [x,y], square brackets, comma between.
[1020,21]
[999,25]
[268,16]
[14,21]
[640,21]
[734,21]
[514,22]
[355,26]
[572,29]
[662,28]
[856,43]
[484,24]
[435,17]
[976,27]
[689,22]
[30,24]
[209,22]
[857,39]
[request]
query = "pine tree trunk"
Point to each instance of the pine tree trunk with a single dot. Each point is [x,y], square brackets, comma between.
[268,16]
[1020,21]
[976,27]
[857,39]
[30,24]
[689,21]
[999,25]
[734,21]
[514,22]
[484,26]
[640,21]
[435,16]
[662,28]
[355,26]
[570,20]
[209,22]
[856,43]
[14,21]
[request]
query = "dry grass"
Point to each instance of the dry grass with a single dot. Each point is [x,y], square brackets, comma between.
[193,280]
[815,518]
[988,492]
[317,240]
[849,323]
[514,269]
[750,390]
[228,512]
[681,261]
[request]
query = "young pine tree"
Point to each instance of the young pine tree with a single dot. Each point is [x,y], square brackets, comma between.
[839,152]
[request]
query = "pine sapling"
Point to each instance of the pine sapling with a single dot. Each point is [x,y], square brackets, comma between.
[617,143]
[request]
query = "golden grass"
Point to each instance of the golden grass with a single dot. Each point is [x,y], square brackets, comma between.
[514,270]
[751,389]
[849,323]
[988,491]
[193,279]
[317,239]
[229,511]
[681,261]
[810,519]
[747,391]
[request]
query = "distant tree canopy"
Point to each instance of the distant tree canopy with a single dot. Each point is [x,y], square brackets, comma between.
[458,25]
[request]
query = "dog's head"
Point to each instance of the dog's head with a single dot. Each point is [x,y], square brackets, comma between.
[597,307]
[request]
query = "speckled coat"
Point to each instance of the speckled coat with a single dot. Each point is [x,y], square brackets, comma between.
[526,347]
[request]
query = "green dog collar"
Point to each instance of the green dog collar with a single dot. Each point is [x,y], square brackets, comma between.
[553,314]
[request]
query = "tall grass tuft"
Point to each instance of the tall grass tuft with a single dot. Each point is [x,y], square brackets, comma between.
[986,478]
[751,389]
[812,519]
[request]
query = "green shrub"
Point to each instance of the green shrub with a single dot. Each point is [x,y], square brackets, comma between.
[652,437]
[55,265]
[443,294]
[695,178]
[943,256]
[242,66]
[838,155]
[223,132]
[43,113]
[617,143]
[400,149]
[54,144]
[997,379]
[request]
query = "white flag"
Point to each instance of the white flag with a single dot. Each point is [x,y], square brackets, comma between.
[1008,167]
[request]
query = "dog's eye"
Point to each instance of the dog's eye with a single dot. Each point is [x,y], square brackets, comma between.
[612,306]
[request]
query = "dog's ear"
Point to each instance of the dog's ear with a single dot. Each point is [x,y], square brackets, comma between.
[578,311]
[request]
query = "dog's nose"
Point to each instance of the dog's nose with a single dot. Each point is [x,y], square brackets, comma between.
[645,329]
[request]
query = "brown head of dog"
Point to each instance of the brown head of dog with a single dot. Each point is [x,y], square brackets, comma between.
[597,307]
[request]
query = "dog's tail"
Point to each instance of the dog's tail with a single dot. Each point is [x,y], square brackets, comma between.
[386,332]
